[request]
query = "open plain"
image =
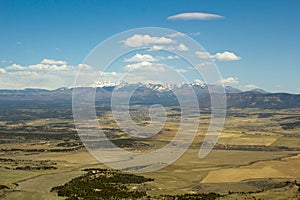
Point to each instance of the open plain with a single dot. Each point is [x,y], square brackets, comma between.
[257,155]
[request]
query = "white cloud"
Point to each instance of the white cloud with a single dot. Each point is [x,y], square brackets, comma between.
[53,62]
[40,67]
[138,40]
[156,43]
[180,70]
[177,34]
[85,67]
[172,57]
[149,58]
[226,56]
[15,67]
[2,71]
[140,58]
[3,61]
[223,57]
[44,65]
[159,47]
[194,33]
[230,80]
[251,86]
[110,74]
[204,64]
[194,16]
[182,47]
[23,73]
[145,66]
[203,54]
[41,75]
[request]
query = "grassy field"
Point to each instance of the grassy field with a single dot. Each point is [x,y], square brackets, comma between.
[257,152]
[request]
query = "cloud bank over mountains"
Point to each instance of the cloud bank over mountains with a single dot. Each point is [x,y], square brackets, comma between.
[157,64]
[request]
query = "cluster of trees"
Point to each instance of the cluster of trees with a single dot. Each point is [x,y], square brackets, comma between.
[209,196]
[19,164]
[110,184]
[291,125]
[26,133]
[43,167]
[3,187]
[102,184]
[45,150]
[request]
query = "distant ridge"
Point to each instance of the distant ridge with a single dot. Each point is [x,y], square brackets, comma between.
[161,94]
[258,90]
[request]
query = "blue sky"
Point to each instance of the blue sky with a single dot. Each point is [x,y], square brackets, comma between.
[263,33]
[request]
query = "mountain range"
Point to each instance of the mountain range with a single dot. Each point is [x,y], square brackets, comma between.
[161,94]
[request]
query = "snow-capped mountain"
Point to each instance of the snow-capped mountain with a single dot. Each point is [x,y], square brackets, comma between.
[159,87]
[102,84]
[149,92]
[198,82]
[154,93]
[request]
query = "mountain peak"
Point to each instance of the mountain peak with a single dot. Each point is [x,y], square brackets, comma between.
[258,90]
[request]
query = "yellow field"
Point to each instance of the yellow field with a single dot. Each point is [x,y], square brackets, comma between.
[230,167]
